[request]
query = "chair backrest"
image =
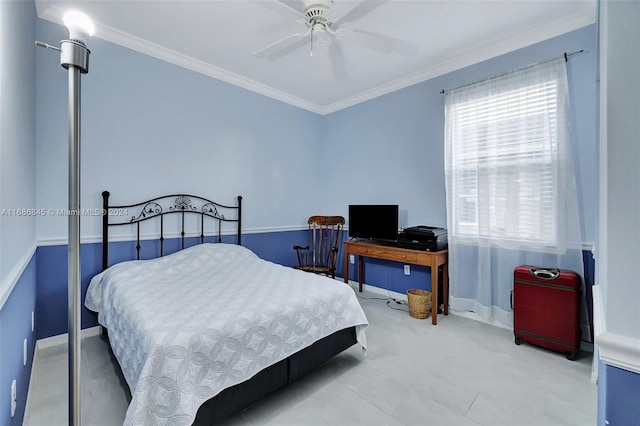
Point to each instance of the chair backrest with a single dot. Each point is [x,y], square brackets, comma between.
[325,238]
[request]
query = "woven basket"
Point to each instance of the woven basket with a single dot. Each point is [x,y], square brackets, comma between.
[419,303]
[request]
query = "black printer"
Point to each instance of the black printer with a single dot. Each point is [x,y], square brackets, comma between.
[427,238]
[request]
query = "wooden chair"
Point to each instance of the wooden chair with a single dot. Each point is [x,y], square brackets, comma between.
[324,240]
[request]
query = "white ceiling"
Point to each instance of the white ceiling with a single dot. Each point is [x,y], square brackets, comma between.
[427,38]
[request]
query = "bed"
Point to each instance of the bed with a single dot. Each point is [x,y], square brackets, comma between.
[208,330]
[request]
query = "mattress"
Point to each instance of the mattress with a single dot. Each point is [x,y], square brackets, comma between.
[186,326]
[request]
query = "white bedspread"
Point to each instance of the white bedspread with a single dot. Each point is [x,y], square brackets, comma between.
[186,326]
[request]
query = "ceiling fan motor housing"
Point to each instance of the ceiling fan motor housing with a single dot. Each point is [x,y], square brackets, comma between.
[316,13]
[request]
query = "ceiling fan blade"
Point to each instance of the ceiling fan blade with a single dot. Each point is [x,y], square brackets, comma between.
[294,5]
[277,7]
[379,42]
[281,47]
[359,11]
[337,61]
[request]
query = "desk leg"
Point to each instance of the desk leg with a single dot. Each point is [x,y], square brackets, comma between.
[434,294]
[346,268]
[360,272]
[445,287]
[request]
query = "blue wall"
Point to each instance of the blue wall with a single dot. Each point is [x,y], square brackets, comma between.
[15,326]
[51,305]
[602,393]
[622,397]
[276,247]
[52,302]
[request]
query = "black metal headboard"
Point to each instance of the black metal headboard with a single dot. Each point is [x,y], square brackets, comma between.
[180,204]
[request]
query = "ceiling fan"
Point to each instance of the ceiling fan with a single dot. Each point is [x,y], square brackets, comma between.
[324,30]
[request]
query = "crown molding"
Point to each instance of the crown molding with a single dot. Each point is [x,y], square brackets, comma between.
[473,55]
[54,14]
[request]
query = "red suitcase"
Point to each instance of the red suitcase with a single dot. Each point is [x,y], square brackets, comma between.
[546,308]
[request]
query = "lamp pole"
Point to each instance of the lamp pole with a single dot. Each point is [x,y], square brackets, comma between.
[74,56]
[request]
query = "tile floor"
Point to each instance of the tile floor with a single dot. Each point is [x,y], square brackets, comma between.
[460,372]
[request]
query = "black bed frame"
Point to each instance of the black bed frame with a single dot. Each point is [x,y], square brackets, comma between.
[159,207]
[236,398]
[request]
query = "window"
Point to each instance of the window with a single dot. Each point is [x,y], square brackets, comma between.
[504,149]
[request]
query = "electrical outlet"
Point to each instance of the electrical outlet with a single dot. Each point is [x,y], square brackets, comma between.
[352,259]
[24,352]
[407,269]
[14,398]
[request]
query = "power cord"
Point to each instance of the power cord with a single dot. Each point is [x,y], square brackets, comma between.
[373,298]
[390,304]
[360,296]
[390,301]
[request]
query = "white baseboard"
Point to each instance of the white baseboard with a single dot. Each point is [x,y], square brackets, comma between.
[32,385]
[60,339]
[584,345]
[377,290]
[476,317]
[50,342]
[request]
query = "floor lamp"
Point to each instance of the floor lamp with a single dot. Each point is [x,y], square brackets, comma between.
[74,56]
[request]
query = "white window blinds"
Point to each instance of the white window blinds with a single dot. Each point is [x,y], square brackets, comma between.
[510,187]
[504,152]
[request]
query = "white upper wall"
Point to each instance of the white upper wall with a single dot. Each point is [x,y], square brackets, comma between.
[150,128]
[17,139]
[620,168]
[393,146]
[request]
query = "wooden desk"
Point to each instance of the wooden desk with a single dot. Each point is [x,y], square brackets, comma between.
[432,259]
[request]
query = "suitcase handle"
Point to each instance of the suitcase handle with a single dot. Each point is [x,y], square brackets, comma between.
[545,274]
